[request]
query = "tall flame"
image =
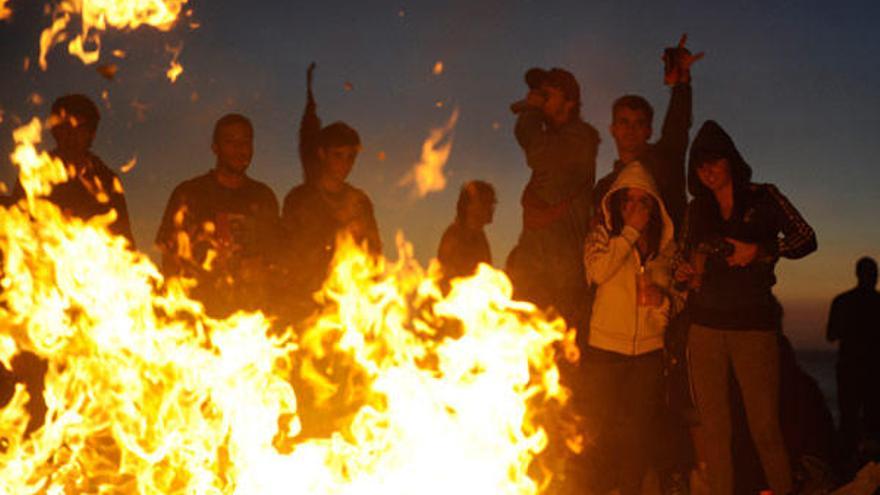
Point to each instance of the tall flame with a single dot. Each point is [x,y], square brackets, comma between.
[407,390]
[427,176]
[5,11]
[97,15]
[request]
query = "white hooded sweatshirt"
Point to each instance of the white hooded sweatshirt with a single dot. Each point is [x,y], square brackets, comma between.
[613,264]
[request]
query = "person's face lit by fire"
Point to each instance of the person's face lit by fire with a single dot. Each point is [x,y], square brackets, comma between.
[630,129]
[73,136]
[234,148]
[715,174]
[557,109]
[336,162]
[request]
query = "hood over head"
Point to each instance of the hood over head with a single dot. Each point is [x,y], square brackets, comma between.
[712,143]
[637,176]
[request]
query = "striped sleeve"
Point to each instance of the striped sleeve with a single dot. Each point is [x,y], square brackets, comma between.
[798,238]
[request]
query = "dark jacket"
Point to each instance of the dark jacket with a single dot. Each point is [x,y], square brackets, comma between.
[734,297]
[462,249]
[222,237]
[93,190]
[664,159]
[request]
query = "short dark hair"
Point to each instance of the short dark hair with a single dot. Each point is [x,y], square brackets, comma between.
[866,271]
[633,102]
[78,106]
[230,119]
[469,192]
[338,134]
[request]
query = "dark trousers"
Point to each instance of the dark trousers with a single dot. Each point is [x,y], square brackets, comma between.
[621,399]
[858,399]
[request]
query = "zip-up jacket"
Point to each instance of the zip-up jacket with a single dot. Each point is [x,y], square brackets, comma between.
[613,263]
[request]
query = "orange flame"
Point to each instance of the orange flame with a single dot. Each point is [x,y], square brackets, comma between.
[427,176]
[97,15]
[5,11]
[146,394]
[438,68]
[175,70]
[129,165]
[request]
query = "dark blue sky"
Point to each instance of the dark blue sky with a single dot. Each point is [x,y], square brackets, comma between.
[797,85]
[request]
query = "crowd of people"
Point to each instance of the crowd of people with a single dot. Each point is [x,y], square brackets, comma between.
[685,381]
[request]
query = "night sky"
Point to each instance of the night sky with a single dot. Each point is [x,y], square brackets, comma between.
[796,84]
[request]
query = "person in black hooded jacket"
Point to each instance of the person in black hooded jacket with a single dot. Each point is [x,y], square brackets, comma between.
[732,243]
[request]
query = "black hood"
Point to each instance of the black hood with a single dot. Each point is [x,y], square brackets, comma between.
[712,142]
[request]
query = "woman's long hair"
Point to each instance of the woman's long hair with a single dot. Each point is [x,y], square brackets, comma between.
[710,144]
[653,231]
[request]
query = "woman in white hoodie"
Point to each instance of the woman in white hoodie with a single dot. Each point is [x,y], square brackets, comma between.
[628,257]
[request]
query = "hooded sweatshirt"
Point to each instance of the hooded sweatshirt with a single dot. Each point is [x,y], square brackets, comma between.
[613,263]
[740,297]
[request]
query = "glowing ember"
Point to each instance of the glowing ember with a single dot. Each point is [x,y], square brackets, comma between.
[146,394]
[5,11]
[127,166]
[108,71]
[96,16]
[175,70]
[36,99]
[438,68]
[427,176]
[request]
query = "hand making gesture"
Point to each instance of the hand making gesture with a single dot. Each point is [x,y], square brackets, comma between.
[678,61]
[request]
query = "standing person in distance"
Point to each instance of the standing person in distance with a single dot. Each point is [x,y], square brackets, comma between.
[464,244]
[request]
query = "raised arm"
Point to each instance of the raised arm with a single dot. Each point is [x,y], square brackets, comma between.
[309,128]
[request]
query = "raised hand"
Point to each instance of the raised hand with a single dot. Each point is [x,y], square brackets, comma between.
[678,61]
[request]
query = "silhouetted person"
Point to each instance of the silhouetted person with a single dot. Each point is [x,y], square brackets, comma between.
[464,244]
[854,322]
[324,205]
[631,128]
[91,189]
[546,266]
[220,228]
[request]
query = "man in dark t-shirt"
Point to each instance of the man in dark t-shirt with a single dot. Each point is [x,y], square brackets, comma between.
[464,244]
[219,228]
[324,206]
[91,189]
